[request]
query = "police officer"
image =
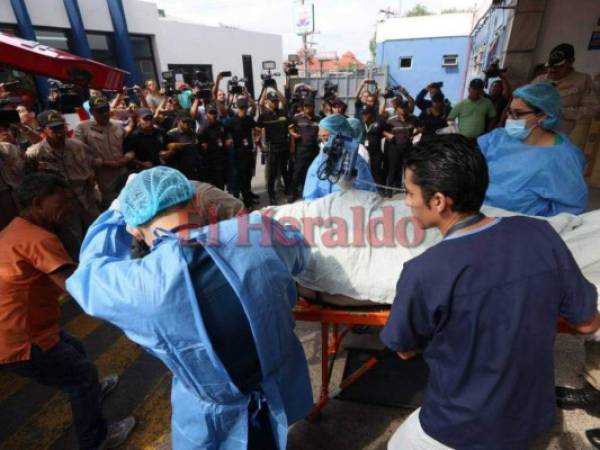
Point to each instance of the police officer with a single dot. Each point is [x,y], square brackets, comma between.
[275,123]
[183,149]
[373,128]
[72,160]
[304,129]
[241,130]
[145,143]
[214,145]
[105,141]
[400,129]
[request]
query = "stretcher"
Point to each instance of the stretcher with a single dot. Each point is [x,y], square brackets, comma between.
[336,323]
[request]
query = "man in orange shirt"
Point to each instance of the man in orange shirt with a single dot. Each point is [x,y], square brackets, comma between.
[33,268]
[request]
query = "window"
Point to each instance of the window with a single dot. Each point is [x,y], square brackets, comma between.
[406,62]
[58,39]
[144,58]
[102,47]
[450,61]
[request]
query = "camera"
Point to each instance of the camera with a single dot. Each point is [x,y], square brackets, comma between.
[330,90]
[267,78]
[494,70]
[235,86]
[169,83]
[291,68]
[391,92]
[203,85]
[64,97]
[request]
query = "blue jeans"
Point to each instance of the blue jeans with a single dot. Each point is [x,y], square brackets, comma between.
[66,366]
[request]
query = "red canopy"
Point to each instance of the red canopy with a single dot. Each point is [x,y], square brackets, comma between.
[30,56]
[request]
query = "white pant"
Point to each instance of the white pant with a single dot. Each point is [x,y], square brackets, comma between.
[410,436]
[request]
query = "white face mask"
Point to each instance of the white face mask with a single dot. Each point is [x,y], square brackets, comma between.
[321,146]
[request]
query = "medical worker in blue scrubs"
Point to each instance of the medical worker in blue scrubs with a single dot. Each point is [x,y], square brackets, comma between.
[314,187]
[213,303]
[534,168]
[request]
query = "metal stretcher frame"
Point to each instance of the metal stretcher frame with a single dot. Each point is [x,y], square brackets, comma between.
[332,317]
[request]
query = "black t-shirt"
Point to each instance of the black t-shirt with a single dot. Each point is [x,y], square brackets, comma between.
[484,306]
[373,134]
[308,129]
[402,129]
[146,146]
[241,131]
[187,160]
[276,125]
[431,123]
[226,322]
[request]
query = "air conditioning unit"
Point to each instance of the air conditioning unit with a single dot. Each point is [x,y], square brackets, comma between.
[450,61]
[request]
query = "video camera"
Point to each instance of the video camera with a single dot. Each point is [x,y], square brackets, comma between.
[290,67]
[493,71]
[64,97]
[391,92]
[267,78]
[203,85]
[168,83]
[330,90]
[236,85]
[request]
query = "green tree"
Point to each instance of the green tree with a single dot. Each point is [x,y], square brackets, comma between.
[418,10]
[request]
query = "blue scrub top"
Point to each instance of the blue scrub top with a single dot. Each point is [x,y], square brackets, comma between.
[538,181]
[484,306]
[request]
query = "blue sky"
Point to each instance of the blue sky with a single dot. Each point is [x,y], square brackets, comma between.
[342,24]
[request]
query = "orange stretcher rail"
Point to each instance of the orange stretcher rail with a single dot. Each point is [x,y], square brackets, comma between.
[331,317]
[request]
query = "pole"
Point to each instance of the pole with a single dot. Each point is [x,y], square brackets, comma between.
[305,47]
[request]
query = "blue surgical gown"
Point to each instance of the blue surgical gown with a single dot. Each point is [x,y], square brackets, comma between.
[538,181]
[153,300]
[315,188]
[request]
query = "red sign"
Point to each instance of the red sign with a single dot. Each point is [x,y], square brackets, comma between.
[30,56]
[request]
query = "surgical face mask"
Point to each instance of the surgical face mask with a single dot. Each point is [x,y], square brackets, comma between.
[517,128]
[321,146]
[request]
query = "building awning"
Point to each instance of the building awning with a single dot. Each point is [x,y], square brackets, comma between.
[30,56]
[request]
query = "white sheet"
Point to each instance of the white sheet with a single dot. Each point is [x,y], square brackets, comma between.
[368,272]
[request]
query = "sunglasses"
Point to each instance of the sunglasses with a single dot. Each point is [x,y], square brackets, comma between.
[517,114]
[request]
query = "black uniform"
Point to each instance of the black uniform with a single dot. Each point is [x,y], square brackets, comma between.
[145,145]
[215,153]
[240,129]
[372,137]
[188,160]
[403,131]
[276,125]
[431,123]
[307,147]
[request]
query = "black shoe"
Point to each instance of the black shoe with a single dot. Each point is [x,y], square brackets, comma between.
[107,385]
[272,200]
[593,436]
[584,398]
[117,433]
[254,196]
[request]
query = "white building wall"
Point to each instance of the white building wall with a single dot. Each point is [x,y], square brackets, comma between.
[570,21]
[174,42]
[183,43]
